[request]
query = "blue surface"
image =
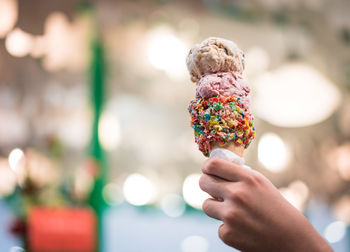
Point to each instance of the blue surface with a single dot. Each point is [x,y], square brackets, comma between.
[131,229]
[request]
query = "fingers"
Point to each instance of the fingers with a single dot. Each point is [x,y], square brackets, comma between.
[224,169]
[212,208]
[213,185]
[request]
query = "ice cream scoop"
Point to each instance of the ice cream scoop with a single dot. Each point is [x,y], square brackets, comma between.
[224,84]
[214,55]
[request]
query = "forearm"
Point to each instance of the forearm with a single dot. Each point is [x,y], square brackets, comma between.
[308,240]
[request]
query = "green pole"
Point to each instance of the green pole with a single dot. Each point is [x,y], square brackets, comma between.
[97,83]
[96,74]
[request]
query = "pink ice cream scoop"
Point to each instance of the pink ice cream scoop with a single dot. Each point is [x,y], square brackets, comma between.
[224,84]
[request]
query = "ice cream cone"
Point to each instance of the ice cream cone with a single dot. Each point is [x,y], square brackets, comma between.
[220,114]
[231,146]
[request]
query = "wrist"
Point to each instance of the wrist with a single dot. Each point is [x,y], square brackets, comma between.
[309,240]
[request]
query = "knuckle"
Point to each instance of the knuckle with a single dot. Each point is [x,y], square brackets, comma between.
[224,234]
[237,195]
[210,165]
[231,193]
[229,216]
[202,182]
[240,196]
[206,206]
[254,178]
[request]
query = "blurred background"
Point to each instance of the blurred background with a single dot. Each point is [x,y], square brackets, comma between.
[95,133]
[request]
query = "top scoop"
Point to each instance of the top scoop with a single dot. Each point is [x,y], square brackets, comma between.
[214,55]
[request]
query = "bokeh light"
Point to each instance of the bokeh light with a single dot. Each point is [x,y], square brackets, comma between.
[40,169]
[16,160]
[173,205]
[257,60]
[83,183]
[295,95]
[167,52]
[340,159]
[8,179]
[15,157]
[335,231]
[342,209]
[273,153]
[296,193]
[19,43]
[138,190]
[8,16]
[192,193]
[109,131]
[194,243]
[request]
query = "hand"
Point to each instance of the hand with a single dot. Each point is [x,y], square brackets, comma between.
[255,216]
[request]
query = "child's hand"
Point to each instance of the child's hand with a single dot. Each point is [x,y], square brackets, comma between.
[255,215]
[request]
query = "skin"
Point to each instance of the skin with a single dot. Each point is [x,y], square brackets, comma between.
[255,216]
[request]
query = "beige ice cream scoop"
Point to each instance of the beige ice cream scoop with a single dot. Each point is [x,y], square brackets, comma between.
[214,55]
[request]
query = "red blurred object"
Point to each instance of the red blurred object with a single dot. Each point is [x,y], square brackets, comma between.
[62,230]
[18,227]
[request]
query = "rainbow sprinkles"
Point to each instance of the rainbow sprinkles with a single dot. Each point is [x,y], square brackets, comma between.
[220,120]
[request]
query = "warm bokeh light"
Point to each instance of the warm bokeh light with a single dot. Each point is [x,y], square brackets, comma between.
[109,131]
[57,35]
[335,231]
[40,169]
[173,205]
[273,153]
[139,190]
[16,160]
[192,193]
[296,193]
[15,157]
[257,60]
[8,16]
[295,95]
[19,43]
[166,52]
[65,43]
[342,209]
[340,159]
[7,179]
[194,243]
[82,183]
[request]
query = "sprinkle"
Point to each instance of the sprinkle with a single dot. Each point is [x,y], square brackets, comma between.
[218,105]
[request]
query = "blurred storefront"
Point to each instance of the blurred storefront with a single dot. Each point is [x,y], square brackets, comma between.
[94,121]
